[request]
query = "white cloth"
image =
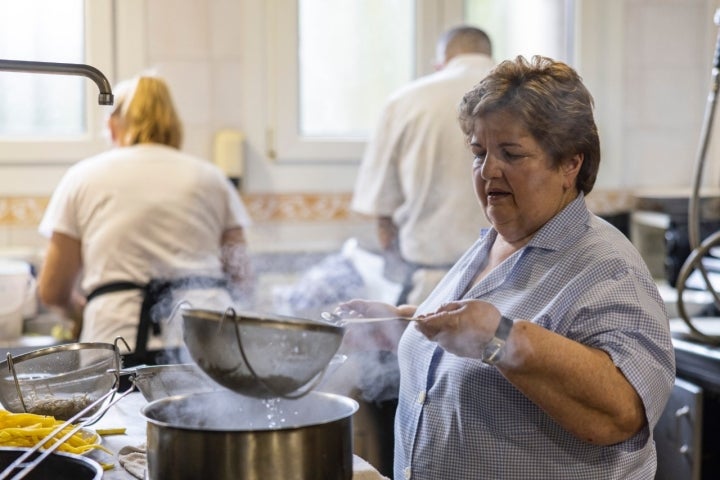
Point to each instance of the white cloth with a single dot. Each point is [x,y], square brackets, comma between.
[418,167]
[134,460]
[142,212]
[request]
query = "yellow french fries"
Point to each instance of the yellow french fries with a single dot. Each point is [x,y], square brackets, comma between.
[28,429]
[110,431]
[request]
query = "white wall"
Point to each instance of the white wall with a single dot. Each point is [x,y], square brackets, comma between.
[647,63]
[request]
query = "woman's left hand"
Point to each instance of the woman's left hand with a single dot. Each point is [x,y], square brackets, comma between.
[463,327]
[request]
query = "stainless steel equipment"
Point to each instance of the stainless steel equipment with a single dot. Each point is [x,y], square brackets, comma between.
[343,321]
[160,381]
[225,436]
[58,466]
[60,381]
[678,434]
[104,98]
[260,355]
[700,249]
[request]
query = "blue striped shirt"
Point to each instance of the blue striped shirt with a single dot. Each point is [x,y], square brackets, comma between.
[458,418]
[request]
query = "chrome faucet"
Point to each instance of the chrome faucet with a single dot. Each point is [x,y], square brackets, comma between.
[104,98]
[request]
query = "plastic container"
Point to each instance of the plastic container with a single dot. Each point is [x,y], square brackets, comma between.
[17,290]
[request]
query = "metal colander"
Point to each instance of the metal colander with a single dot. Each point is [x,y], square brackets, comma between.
[260,355]
[60,381]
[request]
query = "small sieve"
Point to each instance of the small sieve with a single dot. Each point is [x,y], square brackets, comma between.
[261,355]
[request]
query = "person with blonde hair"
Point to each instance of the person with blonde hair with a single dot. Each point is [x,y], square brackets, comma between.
[140,228]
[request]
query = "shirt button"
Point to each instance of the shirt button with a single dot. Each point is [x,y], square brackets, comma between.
[421,397]
[407,473]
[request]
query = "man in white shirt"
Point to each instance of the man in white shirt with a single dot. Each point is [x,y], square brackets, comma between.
[416,175]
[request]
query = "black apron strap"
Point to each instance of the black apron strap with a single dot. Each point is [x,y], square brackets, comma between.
[114,287]
[153,292]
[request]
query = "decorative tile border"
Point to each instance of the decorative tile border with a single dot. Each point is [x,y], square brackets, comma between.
[286,207]
[299,207]
[22,211]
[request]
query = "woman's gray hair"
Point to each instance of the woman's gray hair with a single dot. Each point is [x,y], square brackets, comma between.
[551,101]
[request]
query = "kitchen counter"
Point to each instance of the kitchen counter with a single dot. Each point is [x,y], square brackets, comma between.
[126,413]
[695,360]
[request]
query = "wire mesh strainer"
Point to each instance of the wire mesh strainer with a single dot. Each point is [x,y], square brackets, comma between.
[59,381]
[260,355]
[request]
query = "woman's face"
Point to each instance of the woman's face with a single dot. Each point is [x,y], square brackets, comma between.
[515,181]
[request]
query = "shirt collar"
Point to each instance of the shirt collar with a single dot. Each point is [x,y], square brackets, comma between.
[561,230]
[558,231]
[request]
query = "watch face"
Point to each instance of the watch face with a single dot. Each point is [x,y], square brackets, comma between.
[493,351]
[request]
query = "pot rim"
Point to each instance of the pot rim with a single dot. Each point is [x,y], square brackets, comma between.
[97,469]
[350,405]
[259,319]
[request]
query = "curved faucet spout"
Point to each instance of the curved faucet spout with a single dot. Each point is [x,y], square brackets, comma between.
[104,98]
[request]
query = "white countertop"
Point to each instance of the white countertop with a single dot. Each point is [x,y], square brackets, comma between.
[126,414]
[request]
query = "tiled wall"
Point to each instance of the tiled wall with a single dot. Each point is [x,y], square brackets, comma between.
[282,222]
[663,70]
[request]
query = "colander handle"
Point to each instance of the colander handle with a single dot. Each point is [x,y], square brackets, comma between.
[232,315]
[26,468]
[11,366]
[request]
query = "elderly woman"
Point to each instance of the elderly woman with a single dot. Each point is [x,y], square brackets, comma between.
[135,224]
[545,352]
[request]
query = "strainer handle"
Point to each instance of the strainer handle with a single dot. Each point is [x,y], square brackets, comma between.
[11,366]
[231,311]
[28,467]
[298,393]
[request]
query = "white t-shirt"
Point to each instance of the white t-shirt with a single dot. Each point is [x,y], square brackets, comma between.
[143,212]
[418,167]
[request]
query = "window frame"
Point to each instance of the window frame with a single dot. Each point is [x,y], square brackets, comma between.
[282,139]
[283,142]
[100,53]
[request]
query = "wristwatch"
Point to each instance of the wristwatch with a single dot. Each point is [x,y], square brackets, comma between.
[494,350]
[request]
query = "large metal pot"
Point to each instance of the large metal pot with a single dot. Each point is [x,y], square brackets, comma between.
[226,436]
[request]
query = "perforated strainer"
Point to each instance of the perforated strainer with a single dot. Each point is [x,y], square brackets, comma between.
[260,355]
[59,381]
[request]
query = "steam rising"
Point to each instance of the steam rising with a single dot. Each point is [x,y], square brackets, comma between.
[304,285]
[226,411]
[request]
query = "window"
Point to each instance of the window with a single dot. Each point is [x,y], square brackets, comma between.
[41,105]
[60,110]
[347,66]
[332,65]
[329,81]
[525,27]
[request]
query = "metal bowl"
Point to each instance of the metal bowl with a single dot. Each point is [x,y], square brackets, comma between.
[160,381]
[260,355]
[59,381]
